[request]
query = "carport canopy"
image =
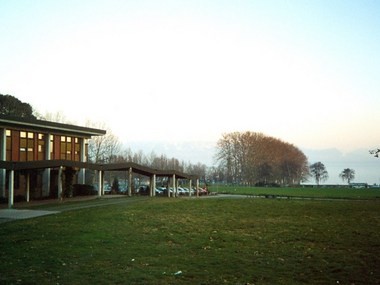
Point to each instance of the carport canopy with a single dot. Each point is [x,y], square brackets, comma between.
[131,167]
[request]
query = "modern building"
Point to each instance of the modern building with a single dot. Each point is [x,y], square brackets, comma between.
[34,154]
[29,140]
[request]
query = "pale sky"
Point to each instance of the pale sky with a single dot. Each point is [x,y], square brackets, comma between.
[306,72]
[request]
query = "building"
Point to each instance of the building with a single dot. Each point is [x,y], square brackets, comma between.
[34,154]
[29,140]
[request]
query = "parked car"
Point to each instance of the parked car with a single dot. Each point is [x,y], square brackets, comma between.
[107,189]
[159,191]
[143,190]
[181,191]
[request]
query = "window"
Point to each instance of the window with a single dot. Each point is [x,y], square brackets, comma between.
[8,145]
[76,150]
[26,146]
[51,146]
[41,147]
[66,147]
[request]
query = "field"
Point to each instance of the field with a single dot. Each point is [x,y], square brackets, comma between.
[308,192]
[197,241]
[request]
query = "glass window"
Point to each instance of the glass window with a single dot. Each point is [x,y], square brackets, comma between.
[22,154]
[23,143]
[9,146]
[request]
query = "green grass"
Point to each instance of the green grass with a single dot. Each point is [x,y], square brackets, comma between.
[211,241]
[333,193]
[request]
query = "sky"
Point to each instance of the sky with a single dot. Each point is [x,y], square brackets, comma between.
[172,73]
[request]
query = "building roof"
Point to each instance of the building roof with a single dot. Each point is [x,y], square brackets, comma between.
[47,126]
[136,168]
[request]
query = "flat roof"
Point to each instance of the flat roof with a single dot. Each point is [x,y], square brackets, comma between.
[136,168]
[42,125]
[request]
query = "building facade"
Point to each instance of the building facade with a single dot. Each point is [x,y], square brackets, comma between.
[26,140]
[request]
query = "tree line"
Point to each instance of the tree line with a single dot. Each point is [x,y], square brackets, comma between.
[252,158]
[109,149]
[248,158]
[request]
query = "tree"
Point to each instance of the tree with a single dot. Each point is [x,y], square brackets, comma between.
[375,152]
[11,106]
[347,174]
[318,172]
[115,185]
[247,158]
[104,149]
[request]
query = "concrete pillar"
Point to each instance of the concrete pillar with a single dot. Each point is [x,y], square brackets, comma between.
[28,187]
[154,185]
[197,186]
[151,189]
[11,189]
[82,171]
[100,183]
[130,182]
[190,188]
[174,188]
[168,187]
[46,173]
[3,157]
[60,184]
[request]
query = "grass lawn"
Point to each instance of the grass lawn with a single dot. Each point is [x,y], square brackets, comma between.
[197,241]
[321,192]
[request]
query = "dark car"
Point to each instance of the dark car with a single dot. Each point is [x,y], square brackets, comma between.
[143,190]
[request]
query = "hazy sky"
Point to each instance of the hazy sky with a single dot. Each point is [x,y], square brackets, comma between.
[306,72]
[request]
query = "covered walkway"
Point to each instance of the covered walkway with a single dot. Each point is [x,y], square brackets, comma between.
[130,167]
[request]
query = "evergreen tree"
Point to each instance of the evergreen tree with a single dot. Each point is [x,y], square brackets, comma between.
[11,106]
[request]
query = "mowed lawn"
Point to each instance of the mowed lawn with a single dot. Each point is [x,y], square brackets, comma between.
[306,192]
[197,241]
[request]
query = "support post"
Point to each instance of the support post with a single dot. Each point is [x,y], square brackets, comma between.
[197,186]
[28,187]
[3,157]
[11,189]
[130,182]
[46,173]
[100,183]
[60,184]
[169,187]
[174,188]
[189,187]
[154,185]
[82,171]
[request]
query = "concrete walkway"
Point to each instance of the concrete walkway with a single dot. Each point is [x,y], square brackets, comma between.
[54,207]
[7,215]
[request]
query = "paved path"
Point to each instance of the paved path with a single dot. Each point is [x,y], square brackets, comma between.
[7,215]
[52,207]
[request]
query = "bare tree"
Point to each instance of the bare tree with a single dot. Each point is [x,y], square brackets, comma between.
[104,149]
